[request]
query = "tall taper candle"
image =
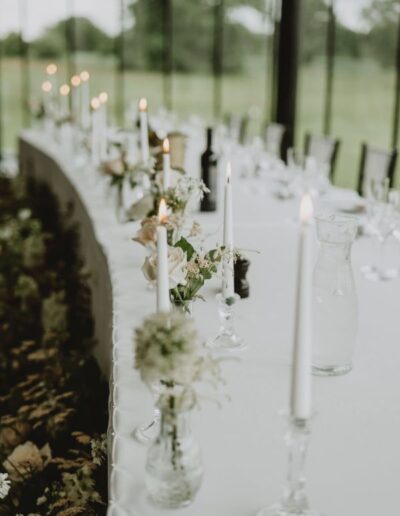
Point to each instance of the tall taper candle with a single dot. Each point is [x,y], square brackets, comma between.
[85,99]
[95,105]
[144,130]
[103,98]
[46,91]
[162,261]
[64,101]
[166,164]
[51,70]
[301,405]
[75,83]
[228,278]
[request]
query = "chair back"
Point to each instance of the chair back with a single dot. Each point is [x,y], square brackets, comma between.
[237,127]
[273,138]
[375,164]
[324,149]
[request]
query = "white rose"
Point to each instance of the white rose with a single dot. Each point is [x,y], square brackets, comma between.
[177,267]
[141,208]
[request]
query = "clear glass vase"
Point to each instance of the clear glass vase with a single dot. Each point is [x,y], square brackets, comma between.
[174,468]
[184,307]
[335,298]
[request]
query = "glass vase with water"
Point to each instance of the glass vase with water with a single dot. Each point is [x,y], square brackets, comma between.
[334,297]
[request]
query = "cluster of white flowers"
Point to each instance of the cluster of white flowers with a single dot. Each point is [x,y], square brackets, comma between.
[167,348]
[5,485]
[189,188]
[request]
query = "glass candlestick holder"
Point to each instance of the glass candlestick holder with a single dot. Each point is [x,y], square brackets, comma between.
[294,501]
[227,338]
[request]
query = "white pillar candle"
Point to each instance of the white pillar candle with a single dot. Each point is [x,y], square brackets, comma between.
[85,100]
[166,164]
[75,83]
[301,405]
[228,272]
[162,261]
[144,131]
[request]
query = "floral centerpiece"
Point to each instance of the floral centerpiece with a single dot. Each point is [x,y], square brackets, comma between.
[189,269]
[168,351]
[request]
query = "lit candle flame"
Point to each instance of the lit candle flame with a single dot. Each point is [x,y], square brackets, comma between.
[228,172]
[306,209]
[95,103]
[143,104]
[64,90]
[84,75]
[103,97]
[162,212]
[75,81]
[51,69]
[165,146]
[47,86]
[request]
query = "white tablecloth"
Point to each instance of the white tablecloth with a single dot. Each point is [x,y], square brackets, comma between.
[354,458]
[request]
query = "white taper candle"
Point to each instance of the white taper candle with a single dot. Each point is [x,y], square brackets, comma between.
[166,164]
[85,100]
[163,304]
[144,131]
[301,404]
[228,272]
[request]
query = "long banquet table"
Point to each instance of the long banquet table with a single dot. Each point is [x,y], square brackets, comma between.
[354,458]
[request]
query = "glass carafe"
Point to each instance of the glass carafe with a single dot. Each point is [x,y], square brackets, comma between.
[334,297]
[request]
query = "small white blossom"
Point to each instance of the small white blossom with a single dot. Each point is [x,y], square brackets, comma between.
[5,485]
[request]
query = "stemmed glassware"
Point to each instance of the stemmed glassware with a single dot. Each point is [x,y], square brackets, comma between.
[382,222]
[292,178]
[227,338]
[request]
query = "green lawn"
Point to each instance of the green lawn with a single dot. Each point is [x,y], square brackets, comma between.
[362,104]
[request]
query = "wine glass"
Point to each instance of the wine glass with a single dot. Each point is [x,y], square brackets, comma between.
[382,224]
[292,178]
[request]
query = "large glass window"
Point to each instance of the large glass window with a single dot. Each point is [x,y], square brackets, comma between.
[193,35]
[46,36]
[11,73]
[247,65]
[143,52]
[95,28]
[364,84]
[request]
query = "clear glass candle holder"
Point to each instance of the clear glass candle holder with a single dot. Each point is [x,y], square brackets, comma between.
[227,338]
[294,501]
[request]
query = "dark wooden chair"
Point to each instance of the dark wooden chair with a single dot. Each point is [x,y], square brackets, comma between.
[376,164]
[324,149]
[273,138]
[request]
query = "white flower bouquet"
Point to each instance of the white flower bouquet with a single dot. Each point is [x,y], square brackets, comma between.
[168,350]
[188,269]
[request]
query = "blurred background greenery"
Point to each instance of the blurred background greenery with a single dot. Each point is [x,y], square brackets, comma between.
[364,69]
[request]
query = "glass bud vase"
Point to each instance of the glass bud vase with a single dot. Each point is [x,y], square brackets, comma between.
[184,307]
[174,468]
[335,298]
